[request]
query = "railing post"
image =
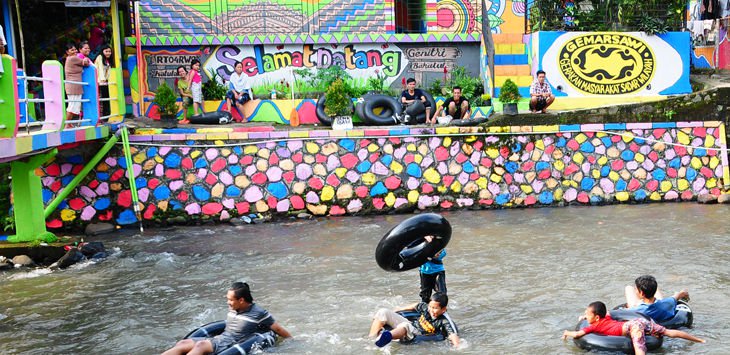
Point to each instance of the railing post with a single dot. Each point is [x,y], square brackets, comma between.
[117,108]
[54,92]
[30,224]
[9,105]
[90,108]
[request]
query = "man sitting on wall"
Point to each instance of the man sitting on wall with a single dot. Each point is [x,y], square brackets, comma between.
[414,102]
[456,106]
[541,96]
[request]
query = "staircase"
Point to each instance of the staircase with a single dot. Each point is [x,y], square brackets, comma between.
[511,62]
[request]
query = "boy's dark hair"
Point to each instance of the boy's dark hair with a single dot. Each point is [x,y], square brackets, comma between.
[410,80]
[441,298]
[241,290]
[647,285]
[193,62]
[599,309]
[456,87]
[540,72]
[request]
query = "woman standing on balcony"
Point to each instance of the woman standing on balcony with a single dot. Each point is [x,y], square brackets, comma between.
[104,63]
[73,67]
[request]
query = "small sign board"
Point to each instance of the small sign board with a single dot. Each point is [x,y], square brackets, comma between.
[86,3]
[343,123]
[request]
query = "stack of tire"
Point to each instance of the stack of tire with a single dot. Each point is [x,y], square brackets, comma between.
[378,110]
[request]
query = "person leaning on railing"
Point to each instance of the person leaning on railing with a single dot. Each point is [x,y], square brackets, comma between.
[72,68]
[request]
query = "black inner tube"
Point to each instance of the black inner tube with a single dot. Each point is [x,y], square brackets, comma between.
[682,316]
[213,117]
[385,117]
[614,343]
[404,247]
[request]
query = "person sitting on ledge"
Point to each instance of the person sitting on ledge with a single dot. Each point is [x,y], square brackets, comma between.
[414,102]
[541,96]
[239,92]
[456,106]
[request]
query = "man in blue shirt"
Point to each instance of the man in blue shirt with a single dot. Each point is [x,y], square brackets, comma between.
[645,299]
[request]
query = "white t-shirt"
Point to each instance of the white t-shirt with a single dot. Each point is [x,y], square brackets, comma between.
[238,82]
[2,37]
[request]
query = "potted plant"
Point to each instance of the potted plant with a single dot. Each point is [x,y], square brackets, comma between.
[486,100]
[166,105]
[338,104]
[213,90]
[509,95]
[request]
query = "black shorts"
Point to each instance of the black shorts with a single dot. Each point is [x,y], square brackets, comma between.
[539,105]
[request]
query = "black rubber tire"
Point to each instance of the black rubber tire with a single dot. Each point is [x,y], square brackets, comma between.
[214,117]
[322,116]
[614,343]
[466,123]
[403,247]
[430,102]
[413,316]
[360,108]
[262,339]
[385,117]
[682,316]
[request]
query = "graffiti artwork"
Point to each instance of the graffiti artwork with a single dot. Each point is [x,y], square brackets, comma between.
[270,63]
[606,64]
[613,63]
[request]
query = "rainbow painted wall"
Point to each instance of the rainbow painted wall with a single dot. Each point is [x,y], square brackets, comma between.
[221,172]
[237,17]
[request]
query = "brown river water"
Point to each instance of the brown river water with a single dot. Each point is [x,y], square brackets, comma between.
[516,280]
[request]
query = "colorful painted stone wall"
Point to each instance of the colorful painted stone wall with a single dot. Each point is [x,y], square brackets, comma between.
[610,64]
[221,173]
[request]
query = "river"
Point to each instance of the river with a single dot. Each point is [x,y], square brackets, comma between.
[516,279]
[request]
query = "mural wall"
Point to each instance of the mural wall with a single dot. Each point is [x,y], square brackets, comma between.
[583,64]
[237,17]
[376,171]
[267,65]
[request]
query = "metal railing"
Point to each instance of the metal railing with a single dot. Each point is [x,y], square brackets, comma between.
[16,117]
[651,16]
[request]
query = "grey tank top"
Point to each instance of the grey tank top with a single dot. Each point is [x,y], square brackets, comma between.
[242,324]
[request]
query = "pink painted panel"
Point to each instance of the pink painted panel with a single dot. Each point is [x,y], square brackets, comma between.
[54,93]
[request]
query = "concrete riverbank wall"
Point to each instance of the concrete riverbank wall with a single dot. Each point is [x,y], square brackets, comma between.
[219,173]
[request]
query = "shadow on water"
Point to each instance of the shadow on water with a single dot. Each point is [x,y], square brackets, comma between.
[516,279]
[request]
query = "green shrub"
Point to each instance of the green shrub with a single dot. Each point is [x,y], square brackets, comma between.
[509,93]
[213,90]
[471,87]
[337,102]
[166,100]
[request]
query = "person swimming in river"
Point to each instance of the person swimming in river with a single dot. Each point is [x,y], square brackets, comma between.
[600,322]
[244,318]
[432,320]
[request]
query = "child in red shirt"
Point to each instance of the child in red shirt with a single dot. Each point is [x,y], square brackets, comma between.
[637,329]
